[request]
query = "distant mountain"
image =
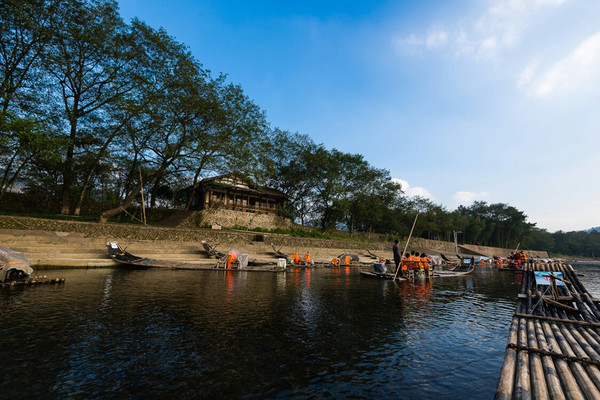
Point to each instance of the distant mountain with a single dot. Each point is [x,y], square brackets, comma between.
[597,229]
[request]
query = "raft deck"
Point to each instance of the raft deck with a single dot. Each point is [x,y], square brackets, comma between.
[553,347]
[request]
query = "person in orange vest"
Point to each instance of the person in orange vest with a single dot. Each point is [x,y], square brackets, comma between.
[231,258]
[522,256]
[295,258]
[307,259]
[415,260]
[347,260]
[335,261]
[404,264]
[424,262]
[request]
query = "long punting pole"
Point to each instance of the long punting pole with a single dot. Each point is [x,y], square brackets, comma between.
[406,245]
[554,341]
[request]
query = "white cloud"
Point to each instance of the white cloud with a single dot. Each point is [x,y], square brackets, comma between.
[437,39]
[573,71]
[413,191]
[499,27]
[466,198]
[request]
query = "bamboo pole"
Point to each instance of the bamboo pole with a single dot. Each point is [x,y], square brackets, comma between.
[523,385]
[504,390]
[406,245]
[538,381]
[552,381]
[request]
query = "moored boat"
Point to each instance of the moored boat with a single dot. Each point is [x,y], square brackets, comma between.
[16,271]
[14,266]
[120,255]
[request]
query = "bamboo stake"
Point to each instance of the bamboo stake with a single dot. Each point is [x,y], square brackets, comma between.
[406,245]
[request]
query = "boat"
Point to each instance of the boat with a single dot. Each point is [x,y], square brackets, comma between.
[16,270]
[388,276]
[15,266]
[212,250]
[453,272]
[120,255]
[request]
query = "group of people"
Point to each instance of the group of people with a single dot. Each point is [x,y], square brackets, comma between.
[296,260]
[520,256]
[346,260]
[410,261]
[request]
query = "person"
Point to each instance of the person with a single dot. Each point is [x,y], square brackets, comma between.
[295,258]
[231,258]
[415,260]
[424,262]
[307,259]
[335,261]
[397,254]
[405,263]
[347,260]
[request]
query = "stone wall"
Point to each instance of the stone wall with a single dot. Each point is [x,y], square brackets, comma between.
[240,219]
[113,231]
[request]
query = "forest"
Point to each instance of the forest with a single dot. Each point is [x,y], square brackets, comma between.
[93,109]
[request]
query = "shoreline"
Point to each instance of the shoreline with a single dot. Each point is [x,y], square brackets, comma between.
[77,244]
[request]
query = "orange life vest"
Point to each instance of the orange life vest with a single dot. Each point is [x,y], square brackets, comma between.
[404,264]
[230,259]
[307,258]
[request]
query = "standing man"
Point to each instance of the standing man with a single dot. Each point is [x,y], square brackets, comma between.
[397,254]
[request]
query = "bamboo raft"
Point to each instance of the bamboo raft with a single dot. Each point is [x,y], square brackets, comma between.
[553,347]
[35,281]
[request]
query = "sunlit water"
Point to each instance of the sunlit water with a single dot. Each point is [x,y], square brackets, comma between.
[145,333]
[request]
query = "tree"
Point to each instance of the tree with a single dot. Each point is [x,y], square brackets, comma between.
[89,57]
[157,136]
[288,165]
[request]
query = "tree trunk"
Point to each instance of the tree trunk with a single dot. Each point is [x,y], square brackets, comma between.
[106,215]
[88,179]
[68,170]
[67,178]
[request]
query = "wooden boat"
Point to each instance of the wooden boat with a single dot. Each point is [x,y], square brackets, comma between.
[279,253]
[212,250]
[388,276]
[120,255]
[14,266]
[512,266]
[15,271]
[456,271]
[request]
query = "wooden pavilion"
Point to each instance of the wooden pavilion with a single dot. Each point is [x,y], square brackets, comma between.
[235,192]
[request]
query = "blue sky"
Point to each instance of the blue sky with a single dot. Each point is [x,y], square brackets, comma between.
[492,100]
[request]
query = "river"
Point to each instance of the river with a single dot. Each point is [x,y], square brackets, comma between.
[321,333]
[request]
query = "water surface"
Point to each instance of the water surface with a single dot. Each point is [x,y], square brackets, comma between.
[146,333]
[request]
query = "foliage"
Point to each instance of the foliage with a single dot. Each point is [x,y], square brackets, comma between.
[575,243]
[96,111]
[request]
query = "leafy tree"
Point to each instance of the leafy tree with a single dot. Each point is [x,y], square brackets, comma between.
[89,58]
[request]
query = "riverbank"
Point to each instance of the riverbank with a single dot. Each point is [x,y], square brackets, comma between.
[75,244]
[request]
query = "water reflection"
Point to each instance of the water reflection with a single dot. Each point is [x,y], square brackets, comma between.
[225,334]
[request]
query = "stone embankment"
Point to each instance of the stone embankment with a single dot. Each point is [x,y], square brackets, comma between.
[65,244]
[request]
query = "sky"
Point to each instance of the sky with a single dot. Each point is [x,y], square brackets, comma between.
[465,100]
